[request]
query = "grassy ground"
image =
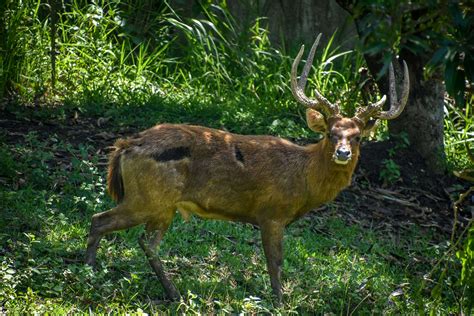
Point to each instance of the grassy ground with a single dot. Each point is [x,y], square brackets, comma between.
[113,78]
[52,183]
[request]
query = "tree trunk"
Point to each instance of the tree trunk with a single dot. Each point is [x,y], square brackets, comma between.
[291,23]
[422,119]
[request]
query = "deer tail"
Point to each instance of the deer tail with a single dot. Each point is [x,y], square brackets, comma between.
[114,176]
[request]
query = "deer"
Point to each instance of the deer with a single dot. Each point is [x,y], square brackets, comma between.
[263,180]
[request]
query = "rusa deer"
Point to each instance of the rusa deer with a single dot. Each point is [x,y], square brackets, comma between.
[263,180]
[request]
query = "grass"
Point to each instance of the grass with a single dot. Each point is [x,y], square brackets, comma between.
[459,134]
[102,67]
[135,68]
[50,188]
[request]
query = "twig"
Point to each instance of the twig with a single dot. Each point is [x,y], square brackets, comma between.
[461,198]
[397,200]
[427,194]
[366,297]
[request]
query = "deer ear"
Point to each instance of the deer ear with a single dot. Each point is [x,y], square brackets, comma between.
[316,121]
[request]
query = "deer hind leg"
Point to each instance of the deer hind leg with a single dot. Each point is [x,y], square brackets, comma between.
[149,242]
[272,239]
[103,223]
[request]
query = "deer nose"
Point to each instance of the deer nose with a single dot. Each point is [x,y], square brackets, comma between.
[343,153]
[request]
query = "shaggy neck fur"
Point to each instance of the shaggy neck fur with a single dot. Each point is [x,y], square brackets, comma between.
[326,178]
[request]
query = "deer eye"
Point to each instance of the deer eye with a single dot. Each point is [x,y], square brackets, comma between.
[333,138]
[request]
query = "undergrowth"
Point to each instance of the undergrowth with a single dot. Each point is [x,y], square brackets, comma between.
[114,57]
[135,68]
[329,267]
[215,72]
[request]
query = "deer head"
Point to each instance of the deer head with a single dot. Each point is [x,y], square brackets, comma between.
[343,135]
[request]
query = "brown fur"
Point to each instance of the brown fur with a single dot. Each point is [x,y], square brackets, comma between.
[114,174]
[263,180]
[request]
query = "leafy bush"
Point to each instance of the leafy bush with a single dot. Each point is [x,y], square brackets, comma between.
[390,171]
[206,70]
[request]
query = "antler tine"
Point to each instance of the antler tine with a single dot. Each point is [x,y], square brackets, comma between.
[308,64]
[297,87]
[371,110]
[396,107]
[298,93]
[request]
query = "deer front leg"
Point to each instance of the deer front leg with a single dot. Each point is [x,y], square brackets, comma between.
[272,239]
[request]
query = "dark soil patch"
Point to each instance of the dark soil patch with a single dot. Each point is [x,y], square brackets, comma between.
[75,130]
[413,170]
[417,197]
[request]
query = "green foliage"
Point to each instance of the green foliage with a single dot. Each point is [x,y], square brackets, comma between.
[439,33]
[23,67]
[456,52]
[466,255]
[390,171]
[205,70]
[459,132]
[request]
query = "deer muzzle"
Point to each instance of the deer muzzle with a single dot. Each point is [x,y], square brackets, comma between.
[342,155]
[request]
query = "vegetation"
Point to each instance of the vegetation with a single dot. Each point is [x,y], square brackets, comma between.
[329,266]
[129,66]
[434,38]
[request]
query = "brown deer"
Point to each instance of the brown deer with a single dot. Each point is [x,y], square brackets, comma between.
[263,180]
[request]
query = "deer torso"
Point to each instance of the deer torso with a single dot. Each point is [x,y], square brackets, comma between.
[216,174]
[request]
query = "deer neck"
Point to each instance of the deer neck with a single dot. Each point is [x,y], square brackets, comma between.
[325,178]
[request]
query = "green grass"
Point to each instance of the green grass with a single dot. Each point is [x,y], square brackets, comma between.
[329,267]
[206,66]
[459,133]
[137,67]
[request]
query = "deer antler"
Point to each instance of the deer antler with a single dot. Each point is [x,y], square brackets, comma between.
[396,106]
[297,87]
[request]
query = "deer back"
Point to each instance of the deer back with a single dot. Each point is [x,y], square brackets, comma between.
[214,173]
